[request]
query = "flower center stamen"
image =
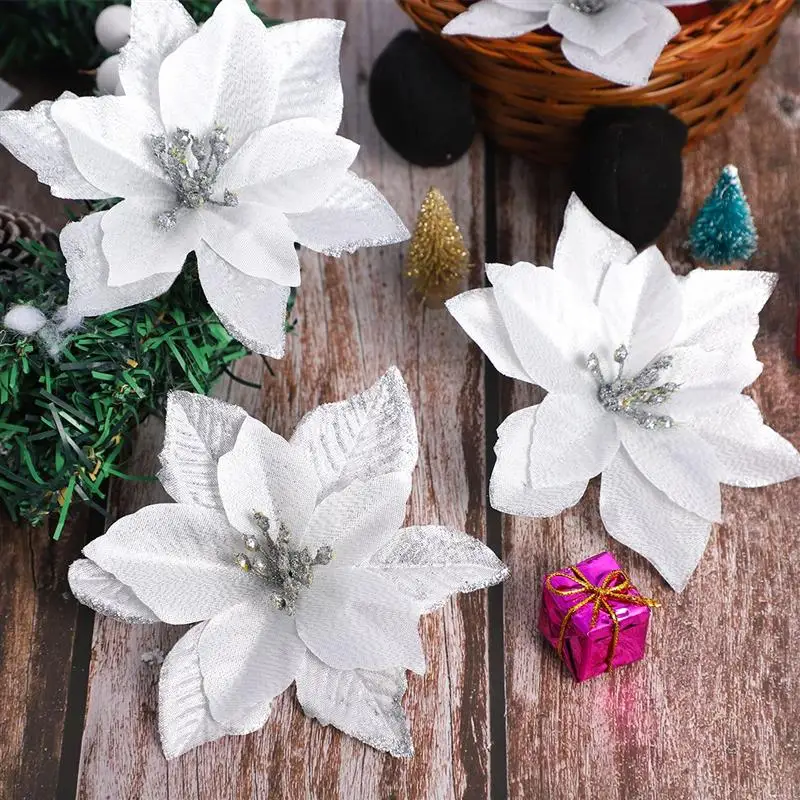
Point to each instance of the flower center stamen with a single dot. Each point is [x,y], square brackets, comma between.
[287,570]
[589,6]
[192,166]
[631,396]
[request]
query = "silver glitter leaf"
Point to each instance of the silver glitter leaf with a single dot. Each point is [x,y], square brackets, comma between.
[184,719]
[371,434]
[198,431]
[103,593]
[430,563]
[361,703]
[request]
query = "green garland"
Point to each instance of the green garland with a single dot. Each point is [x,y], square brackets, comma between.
[60,33]
[64,423]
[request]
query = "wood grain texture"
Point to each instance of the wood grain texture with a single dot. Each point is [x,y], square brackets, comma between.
[711,713]
[356,317]
[37,613]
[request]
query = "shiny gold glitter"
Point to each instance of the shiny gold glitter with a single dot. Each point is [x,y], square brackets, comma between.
[437,260]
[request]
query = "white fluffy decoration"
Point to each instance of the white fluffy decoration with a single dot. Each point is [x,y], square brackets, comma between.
[113,27]
[619,40]
[660,486]
[270,100]
[107,76]
[24,319]
[337,492]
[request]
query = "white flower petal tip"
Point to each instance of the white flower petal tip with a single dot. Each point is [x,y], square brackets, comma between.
[495,19]
[644,372]
[222,142]
[291,557]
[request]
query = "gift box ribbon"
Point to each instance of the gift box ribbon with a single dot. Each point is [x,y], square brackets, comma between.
[615,586]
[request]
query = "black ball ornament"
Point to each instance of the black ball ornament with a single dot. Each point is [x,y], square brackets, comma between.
[628,170]
[421,105]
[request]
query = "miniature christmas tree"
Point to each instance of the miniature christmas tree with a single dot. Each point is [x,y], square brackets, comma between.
[437,259]
[724,231]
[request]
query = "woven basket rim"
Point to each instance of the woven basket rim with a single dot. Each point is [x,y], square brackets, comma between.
[688,30]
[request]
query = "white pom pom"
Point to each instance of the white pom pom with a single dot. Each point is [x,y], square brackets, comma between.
[26,320]
[107,76]
[113,27]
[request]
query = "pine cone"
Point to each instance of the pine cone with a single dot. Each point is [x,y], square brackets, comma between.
[19,225]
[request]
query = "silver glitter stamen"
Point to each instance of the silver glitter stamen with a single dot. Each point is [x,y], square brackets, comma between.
[631,396]
[192,166]
[589,6]
[285,569]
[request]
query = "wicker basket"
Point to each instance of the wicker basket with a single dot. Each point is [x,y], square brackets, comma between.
[530,100]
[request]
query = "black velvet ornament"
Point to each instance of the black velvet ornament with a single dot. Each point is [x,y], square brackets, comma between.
[628,170]
[421,105]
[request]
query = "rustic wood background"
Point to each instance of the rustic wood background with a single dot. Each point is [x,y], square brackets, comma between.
[710,714]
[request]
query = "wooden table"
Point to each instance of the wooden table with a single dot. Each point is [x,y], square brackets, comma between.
[711,713]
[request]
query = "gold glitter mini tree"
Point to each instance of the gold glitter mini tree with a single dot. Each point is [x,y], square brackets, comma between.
[437,259]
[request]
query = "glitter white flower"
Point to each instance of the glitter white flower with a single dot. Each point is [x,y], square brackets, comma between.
[291,557]
[667,433]
[224,144]
[619,40]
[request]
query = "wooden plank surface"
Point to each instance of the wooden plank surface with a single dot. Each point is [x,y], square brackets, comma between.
[38,615]
[709,715]
[355,318]
[712,711]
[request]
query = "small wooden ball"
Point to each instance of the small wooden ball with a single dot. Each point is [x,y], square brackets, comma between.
[113,27]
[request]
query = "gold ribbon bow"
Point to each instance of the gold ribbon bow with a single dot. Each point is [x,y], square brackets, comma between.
[615,586]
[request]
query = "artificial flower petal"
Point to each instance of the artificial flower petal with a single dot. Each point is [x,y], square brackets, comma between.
[586,248]
[224,75]
[109,141]
[510,488]
[643,518]
[361,703]
[359,518]
[252,310]
[491,19]
[477,312]
[157,28]
[553,327]
[603,32]
[310,85]
[293,166]
[355,619]
[679,463]
[641,302]
[33,138]
[749,452]
[254,240]
[198,432]
[371,434]
[248,656]
[356,215]
[178,560]
[573,440]
[136,247]
[87,270]
[632,63]
[184,719]
[264,468]
[721,306]
[102,592]
[429,563]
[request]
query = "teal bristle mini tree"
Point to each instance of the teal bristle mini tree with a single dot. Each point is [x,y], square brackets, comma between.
[723,231]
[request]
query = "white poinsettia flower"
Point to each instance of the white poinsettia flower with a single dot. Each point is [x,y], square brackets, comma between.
[644,372]
[224,144]
[292,558]
[619,40]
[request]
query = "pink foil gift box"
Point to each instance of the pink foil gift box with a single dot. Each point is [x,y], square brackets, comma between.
[594,617]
